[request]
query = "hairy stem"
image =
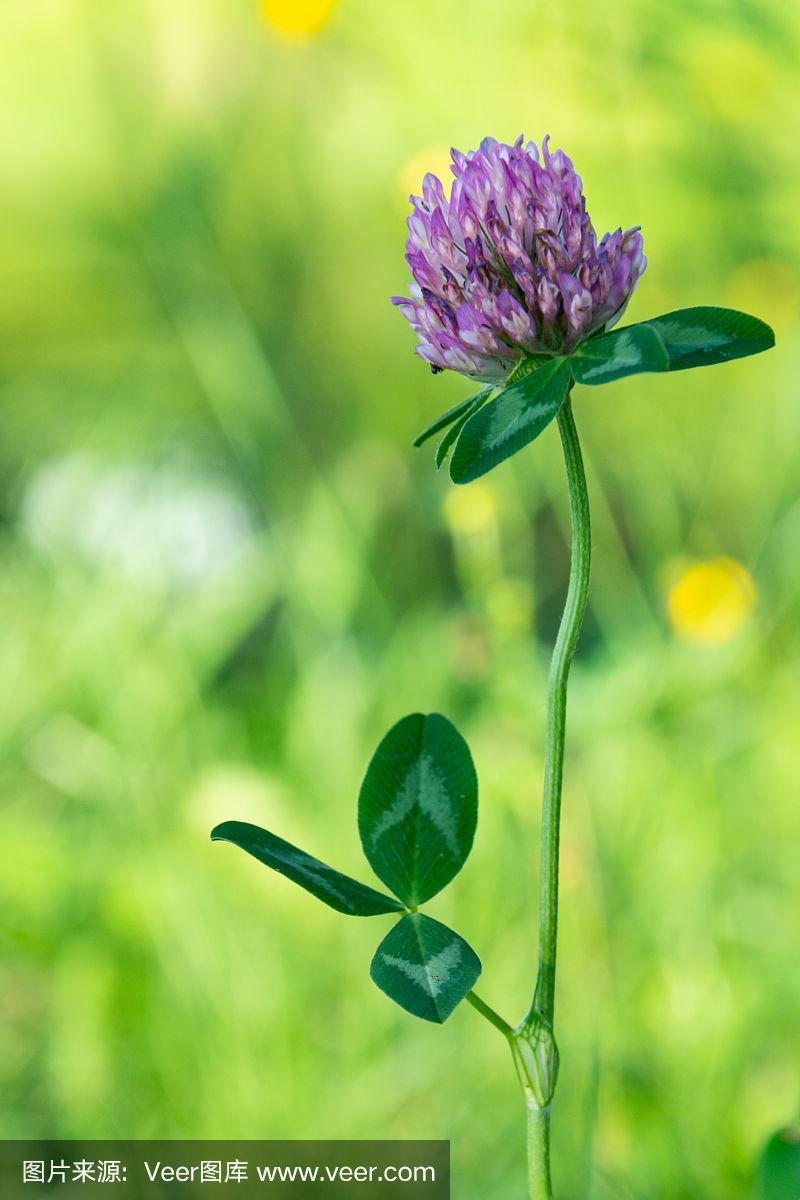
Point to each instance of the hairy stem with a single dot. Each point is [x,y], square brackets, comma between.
[540,1018]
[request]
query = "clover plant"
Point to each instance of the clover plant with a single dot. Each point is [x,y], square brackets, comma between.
[511,288]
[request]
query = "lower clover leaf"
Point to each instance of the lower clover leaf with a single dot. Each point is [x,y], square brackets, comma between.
[425,967]
[338,891]
[418,807]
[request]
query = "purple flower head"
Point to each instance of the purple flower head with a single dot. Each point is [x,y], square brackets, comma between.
[510,265]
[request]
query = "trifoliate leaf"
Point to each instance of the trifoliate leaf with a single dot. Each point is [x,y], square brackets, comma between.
[452,414]
[418,807]
[451,436]
[701,337]
[510,421]
[425,967]
[339,891]
[628,351]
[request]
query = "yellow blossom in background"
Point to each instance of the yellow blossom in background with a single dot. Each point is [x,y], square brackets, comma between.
[471,510]
[711,600]
[435,159]
[766,286]
[509,606]
[297,18]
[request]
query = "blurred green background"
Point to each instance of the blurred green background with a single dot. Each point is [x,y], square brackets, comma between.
[224,573]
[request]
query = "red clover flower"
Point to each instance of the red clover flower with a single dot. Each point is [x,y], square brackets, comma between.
[510,264]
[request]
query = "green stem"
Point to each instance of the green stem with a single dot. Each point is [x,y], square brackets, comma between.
[566,641]
[540,1019]
[532,1043]
[538,1126]
[538,1140]
[491,1016]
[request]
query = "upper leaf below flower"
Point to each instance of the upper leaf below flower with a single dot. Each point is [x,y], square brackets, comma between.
[689,337]
[704,336]
[510,421]
[627,351]
[452,414]
[492,426]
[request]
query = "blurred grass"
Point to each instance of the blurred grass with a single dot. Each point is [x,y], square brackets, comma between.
[224,573]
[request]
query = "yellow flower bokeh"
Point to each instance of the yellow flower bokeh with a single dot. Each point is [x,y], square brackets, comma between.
[767,286]
[711,600]
[297,18]
[471,510]
[435,159]
[509,606]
